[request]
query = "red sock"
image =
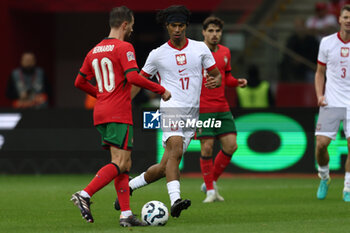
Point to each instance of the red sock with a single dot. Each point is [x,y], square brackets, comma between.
[221,161]
[121,184]
[207,171]
[105,175]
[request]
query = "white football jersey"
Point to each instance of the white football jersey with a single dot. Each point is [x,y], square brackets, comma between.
[180,71]
[334,53]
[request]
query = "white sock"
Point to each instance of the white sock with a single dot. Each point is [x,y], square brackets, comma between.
[84,194]
[173,190]
[126,213]
[323,172]
[210,192]
[347,182]
[138,182]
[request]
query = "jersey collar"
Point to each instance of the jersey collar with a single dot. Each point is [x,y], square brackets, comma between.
[171,45]
[345,42]
[218,46]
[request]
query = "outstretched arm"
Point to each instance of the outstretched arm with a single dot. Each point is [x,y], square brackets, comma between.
[140,81]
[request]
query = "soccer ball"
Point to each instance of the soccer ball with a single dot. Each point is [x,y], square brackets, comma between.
[155,213]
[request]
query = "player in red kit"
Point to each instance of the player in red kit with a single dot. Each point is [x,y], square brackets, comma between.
[213,104]
[112,63]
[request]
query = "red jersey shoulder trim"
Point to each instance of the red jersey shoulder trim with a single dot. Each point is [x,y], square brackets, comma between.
[171,45]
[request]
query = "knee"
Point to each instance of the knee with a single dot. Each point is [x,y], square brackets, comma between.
[230,149]
[175,152]
[207,149]
[124,165]
[161,169]
[321,144]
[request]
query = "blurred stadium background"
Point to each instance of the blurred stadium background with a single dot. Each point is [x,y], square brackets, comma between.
[61,139]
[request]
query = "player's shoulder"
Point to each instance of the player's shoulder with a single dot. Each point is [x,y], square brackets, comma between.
[159,49]
[125,44]
[224,49]
[198,46]
[113,44]
[196,43]
[330,38]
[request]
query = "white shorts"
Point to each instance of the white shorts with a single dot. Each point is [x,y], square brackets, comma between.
[329,119]
[175,115]
[186,138]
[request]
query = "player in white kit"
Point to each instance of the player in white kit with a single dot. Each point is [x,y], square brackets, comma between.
[334,102]
[178,66]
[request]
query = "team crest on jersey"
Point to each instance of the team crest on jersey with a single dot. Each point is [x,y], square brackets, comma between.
[181,59]
[226,60]
[344,52]
[130,55]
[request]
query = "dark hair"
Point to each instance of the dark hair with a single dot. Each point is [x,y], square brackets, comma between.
[213,20]
[118,15]
[162,15]
[345,8]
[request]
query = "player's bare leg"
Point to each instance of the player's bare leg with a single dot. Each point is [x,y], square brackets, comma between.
[322,158]
[346,190]
[229,143]
[152,174]
[174,151]
[174,148]
[157,171]
[122,158]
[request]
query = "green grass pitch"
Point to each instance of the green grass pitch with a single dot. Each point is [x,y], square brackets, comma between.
[256,204]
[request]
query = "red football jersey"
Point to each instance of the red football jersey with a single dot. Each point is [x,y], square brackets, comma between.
[214,100]
[109,62]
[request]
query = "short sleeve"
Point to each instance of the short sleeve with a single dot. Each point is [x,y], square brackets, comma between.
[150,67]
[322,53]
[86,69]
[208,60]
[127,58]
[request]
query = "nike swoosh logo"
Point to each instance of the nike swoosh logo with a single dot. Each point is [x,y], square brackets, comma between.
[180,71]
